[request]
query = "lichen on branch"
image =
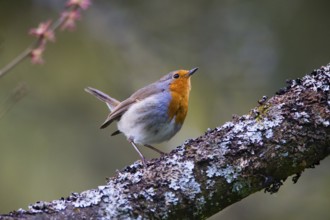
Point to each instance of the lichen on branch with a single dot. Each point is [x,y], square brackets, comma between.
[279,138]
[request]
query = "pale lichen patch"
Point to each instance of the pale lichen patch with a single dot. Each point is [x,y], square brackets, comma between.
[184,180]
[228,172]
[171,198]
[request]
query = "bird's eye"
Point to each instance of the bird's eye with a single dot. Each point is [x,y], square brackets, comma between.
[175,76]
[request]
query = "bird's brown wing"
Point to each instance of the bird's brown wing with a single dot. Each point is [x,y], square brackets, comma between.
[139,95]
[118,111]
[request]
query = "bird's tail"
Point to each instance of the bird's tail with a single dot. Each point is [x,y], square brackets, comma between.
[111,102]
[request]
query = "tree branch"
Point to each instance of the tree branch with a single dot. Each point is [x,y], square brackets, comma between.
[279,138]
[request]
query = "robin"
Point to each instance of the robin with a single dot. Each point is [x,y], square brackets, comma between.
[154,113]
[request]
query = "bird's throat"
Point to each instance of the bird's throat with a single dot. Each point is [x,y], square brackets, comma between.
[178,107]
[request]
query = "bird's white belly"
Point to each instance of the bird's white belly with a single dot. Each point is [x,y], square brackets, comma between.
[147,122]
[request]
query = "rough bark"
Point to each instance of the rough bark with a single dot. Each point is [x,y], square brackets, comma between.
[279,138]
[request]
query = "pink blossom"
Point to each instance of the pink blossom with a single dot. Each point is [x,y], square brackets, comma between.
[36,55]
[43,31]
[70,18]
[83,4]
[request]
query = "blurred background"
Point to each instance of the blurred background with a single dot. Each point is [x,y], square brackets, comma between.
[50,141]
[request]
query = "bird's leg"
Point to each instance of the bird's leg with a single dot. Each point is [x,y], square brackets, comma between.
[144,161]
[155,149]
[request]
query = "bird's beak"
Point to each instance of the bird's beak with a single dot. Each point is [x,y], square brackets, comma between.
[192,71]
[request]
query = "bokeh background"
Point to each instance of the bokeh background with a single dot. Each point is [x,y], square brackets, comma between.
[50,144]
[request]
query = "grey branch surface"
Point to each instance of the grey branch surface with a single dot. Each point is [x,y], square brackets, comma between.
[258,151]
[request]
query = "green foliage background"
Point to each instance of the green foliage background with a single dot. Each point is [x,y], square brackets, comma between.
[50,144]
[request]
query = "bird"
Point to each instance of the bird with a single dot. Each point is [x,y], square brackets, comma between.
[152,114]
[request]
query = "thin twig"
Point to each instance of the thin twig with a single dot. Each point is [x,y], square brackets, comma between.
[15,61]
[16,95]
[33,46]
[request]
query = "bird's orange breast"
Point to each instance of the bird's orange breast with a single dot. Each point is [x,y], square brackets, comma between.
[178,107]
